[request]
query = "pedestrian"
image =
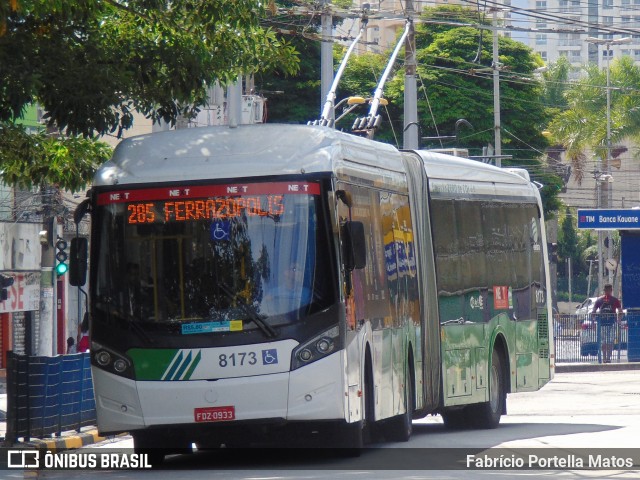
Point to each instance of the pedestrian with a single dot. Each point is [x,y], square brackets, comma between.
[71,345]
[83,342]
[607,309]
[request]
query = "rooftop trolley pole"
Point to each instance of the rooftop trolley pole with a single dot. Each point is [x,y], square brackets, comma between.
[366,126]
[327,116]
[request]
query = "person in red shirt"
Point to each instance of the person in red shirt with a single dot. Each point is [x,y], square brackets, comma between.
[83,342]
[607,310]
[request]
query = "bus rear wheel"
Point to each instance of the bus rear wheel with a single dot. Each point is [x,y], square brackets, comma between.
[455,419]
[487,414]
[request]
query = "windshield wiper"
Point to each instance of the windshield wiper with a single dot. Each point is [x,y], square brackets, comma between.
[142,333]
[267,329]
[129,321]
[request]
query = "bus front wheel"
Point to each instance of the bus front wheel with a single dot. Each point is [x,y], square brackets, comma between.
[400,427]
[145,444]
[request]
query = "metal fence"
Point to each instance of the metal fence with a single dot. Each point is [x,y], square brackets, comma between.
[48,395]
[597,338]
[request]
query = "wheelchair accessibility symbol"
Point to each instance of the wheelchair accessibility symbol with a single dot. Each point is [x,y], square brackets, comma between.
[270,357]
[219,230]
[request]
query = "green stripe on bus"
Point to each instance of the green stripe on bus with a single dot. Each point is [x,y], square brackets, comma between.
[193,366]
[151,364]
[168,374]
[182,367]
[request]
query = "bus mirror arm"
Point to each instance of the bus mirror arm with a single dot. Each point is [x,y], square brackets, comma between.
[354,249]
[345,197]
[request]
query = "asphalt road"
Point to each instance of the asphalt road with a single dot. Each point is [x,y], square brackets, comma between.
[578,415]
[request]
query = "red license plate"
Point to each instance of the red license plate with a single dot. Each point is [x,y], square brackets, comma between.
[214,414]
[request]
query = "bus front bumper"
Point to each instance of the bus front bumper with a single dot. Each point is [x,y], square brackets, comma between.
[314,392]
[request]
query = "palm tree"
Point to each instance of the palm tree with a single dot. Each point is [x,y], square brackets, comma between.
[582,126]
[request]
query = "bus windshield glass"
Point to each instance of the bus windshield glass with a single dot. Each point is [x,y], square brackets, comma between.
[211,258]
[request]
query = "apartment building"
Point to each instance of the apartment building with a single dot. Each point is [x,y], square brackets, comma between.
[561,27]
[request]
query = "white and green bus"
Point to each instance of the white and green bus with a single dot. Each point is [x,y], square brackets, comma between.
[294,282]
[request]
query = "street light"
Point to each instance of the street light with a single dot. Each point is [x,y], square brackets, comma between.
[600,185]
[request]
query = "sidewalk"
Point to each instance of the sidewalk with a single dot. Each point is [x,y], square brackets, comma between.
[71,439]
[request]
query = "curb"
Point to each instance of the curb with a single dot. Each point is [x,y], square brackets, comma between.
[78,440]
[597,367]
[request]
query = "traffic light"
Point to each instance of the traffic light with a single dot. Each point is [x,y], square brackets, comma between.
[5,282]
[553,252]
[61,257]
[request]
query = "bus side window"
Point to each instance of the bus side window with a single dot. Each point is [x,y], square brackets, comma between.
[354,246]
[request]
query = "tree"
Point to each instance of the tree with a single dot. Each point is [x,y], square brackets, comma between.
[582,125]
[31,159]
[568,242]
[555,84]
[91,63]
[294,98]
[454,84]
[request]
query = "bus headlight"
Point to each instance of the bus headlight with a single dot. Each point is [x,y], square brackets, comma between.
[324,345]
[111,361]
[305,355]
[316,348]
[103,358]
[120,365]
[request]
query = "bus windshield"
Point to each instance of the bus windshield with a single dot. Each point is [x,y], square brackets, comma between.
[211,258]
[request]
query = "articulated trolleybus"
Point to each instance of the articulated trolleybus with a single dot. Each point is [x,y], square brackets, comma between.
[294,282]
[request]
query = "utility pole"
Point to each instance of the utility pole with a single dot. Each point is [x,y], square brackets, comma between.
[411,127]
[234,102]
[46,343]
[326,54]
[604,190]
[496,91]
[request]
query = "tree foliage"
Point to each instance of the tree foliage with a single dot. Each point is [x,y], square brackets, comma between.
[555,84]
[29,159]
[294,98]
[582,126]
[91,63]
[455,82]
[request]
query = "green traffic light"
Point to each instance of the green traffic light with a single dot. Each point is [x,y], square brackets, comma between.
[61,268]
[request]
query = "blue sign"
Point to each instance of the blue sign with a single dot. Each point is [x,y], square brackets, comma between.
[205,327]
[630,263]
[602,219]
[270,357]
[220,230]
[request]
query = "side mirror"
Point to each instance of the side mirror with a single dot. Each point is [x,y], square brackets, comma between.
[354,248]
[81,210]
[345,197]
[79,253]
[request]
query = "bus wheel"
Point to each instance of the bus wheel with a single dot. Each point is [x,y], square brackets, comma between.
[400,428]
[487,414]
[143,444]
[455,419]
[352,440]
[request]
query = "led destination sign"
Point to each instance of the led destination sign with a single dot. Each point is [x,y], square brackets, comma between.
[210,209]
[206,202]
